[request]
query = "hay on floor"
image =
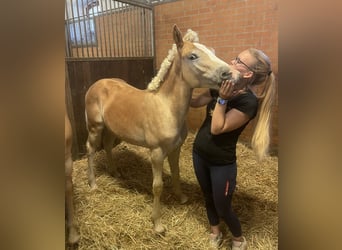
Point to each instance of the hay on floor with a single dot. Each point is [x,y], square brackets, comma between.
[118,214]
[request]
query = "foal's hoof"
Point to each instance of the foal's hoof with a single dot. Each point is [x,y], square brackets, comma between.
[183,199]
[159,229]
[74,237]
[93,186]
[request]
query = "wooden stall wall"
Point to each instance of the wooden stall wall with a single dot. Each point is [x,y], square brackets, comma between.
[228,26]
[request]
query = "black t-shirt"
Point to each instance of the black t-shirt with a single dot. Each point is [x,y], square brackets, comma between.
[221,149]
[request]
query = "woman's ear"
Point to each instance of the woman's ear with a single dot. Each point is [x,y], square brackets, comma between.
[248,74]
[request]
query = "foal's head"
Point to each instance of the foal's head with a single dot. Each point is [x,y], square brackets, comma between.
[199,65]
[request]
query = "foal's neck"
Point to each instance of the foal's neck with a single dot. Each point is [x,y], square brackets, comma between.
[174,87]
[177,93]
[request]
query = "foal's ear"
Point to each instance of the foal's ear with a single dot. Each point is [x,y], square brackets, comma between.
[177,37]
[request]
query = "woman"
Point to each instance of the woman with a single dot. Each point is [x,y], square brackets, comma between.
[229,110]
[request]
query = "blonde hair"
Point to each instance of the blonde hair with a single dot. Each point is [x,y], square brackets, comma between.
[262,75]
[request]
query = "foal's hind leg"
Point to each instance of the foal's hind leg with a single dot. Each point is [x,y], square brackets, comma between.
[93,142]
[173,159]
[109,142]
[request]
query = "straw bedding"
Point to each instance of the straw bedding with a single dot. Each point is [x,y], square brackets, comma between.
[118,214]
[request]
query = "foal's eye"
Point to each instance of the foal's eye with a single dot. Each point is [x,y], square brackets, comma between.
[193,57]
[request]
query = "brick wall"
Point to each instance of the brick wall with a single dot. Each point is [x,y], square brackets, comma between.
[229,26]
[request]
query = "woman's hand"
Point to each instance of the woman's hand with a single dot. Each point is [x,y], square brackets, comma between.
[223,121]
[227,90]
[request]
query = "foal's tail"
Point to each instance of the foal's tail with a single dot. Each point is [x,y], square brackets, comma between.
[94,116]
[86,118]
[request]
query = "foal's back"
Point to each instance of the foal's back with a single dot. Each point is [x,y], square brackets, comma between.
[131,114]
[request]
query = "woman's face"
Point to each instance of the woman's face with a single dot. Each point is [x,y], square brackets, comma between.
[243,63]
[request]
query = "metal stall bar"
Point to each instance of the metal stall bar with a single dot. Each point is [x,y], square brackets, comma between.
[74,29]
[107,16]
[92,17]
[83,18]
[80,29]
[68,50]
[102,29]
[112,28]
[117,46]
[124,27]
[130,29]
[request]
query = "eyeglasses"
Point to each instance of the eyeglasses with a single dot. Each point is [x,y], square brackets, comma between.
[237,60]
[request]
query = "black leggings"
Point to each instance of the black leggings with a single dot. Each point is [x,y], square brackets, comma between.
[218,185]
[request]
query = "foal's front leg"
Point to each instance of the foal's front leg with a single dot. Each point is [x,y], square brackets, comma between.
[73,236]
[173,159]
[157,159]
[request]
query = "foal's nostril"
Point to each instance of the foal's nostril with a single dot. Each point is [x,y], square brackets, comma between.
[226,75]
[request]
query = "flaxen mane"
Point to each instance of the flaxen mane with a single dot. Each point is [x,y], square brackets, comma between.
[190,36]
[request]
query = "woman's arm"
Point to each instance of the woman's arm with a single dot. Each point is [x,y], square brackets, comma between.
[201,99]
[222,122]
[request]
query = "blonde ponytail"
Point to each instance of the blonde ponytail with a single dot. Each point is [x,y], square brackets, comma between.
[262,74]
[261,136]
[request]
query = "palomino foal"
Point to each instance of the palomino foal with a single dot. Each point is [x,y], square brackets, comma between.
[155,117]
[73,235]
